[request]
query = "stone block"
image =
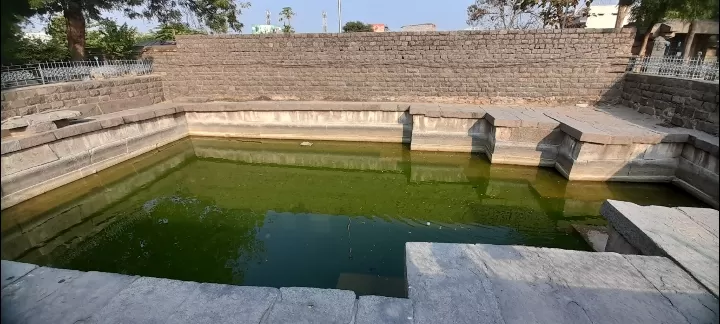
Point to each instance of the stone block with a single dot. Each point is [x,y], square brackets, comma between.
[653,170]
[9,146]
[482,283]
[36,140]
[26,159]
[13,271]
[664,231]
[108,151]
[138,115]
[695,303]
[213,303]
[78,129]
[698,177]
[145,300]
[700,158]
[78,300]
[20,298]
[313,305]
[111,122]
[663,151]
[384,310]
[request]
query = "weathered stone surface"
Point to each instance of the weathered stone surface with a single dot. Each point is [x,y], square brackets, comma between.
[213,303]
[21,160]
[43,118]
[669,232]
[398,67]
[12,271]
[20,297]
[463,283]
[145,300]
[313,305]
[78,300]
[693,106]
[383,310]
[691,299]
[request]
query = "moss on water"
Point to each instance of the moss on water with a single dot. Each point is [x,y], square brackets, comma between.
[273,213]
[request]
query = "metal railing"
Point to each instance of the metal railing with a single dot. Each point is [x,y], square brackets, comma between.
[14,76]
[692,68]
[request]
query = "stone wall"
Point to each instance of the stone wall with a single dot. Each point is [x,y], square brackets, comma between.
[89,97]
[539,66]
[680,102]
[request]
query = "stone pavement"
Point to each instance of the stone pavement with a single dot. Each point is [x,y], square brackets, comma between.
[481,283]
[689,236]
[42,295]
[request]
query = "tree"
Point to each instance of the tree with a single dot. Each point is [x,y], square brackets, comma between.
[117,42]
[218,15]
[646,14]
[286,15]
[558,13]
[501,14]
[690,11]
[168,31]
[12,15]
[357,26]
[624,7]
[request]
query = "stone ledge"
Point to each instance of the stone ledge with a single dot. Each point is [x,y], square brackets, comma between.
[679,234]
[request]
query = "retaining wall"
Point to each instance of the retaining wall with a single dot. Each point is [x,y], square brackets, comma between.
[540,66]
[582,144]
[91,98]
[680,102]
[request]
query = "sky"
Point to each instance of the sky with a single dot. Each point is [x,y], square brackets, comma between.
[446,15]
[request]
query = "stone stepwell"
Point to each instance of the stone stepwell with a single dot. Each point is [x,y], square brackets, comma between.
[593,144]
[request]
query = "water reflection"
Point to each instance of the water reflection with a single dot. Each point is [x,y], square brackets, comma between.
[274,213]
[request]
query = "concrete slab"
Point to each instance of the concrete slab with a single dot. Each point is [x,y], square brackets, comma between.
[312,305]
[464,283]
[215,303]
[75,302]
[384,310]
[670,232]
[23,295]
[12,271]
[146,300]
[691,299]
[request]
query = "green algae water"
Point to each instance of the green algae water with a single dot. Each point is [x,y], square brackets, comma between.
[274,213]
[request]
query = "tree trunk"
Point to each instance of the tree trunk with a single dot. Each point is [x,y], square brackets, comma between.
[688,41]
[646,39]
[75,30]
[623,10]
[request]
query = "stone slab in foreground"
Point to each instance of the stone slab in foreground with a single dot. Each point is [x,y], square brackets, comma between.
[466,283]
[689,236]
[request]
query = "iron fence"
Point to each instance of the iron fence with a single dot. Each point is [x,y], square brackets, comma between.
[693,68]
[14,76]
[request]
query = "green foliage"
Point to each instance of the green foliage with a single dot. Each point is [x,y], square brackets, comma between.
[557,13]
[116,42]
[217,15]
[168,31]
[357,26]
[286,15]
[287,29]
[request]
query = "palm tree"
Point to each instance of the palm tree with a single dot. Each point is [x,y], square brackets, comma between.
[286,15]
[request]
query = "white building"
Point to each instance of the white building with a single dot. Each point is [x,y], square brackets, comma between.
[604,16]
